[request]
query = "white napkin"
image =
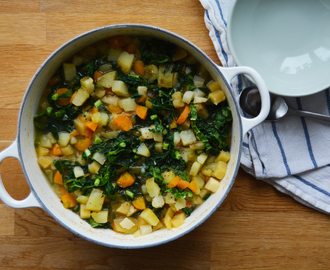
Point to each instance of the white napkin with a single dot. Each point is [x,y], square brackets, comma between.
[292,154]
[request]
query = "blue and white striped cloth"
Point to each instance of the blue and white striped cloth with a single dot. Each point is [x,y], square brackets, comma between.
[292,154]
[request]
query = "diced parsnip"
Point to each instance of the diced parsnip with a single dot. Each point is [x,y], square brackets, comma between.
[80,98]
[165,80]
[45,141]
[132,210]
[84,213]
[114,54]
[95,200]
[82,199]
[213,86]
[168,218]
[198,93]
[188,97]
[196,166]
[78,171]
[220,170]
[223,156]
[128,104]
[151,72]
[177,138]
[199,181]
[94,167]
[125,62]
[63,139]
[42,151]
[187,154]
[187,137]
[152,187]
[104,119]
[178,220]
[217,96]
[69,71]
[101,216]
[168,176]
[143,150]
[124,208]
[179,204]
[68,150]
[126,223]
[200,100]
[169,198]
[111,134]
[80,126]
[142,90]
[212,185]
[87,84]
[202,158]
[198,81]
[120,88]
[45,162]
[110,100]
[158,201]
[145,229]
[146,133]
[120,229]
[149,216]
[201,110]
[99,157]
[208,169]
[106,80]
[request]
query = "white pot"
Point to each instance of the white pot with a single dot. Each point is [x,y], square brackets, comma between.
[41,193]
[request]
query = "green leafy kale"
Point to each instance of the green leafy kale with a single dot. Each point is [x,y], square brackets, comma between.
[156,51]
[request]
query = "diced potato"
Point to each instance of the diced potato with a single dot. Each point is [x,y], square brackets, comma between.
[158,201]
[126,223]
[80,98]
[63,139]
[111,134]
[145,229]
[146,133]
[42,151]
[142,90]
[202,158]
[165,80]
[106,80]
[177,138]
[220,170]
[45,162]
[143,150]
[159,226]
[120,88]
[200,100]
[195,168]
[87,83]
[96,117]
[168,176]
[94,167]
[110,100]
[168,218]
[187,154]
[178,103]
[217,96]
[132,210]
[101,216]
[152,187]
[169,198]
[80,126]
[114,54]
[78,171]
[128,104]
[124,208]
[151,72]
[198,81]
[125,62]
[84,213]
[198,93]
[199,181]
[104,119]
[199,145]
[178,220]
[99,157]
[73,140]
[69,71]
[187,137]
[68,150]
[119,228]
[208,169]
[100,92]
[137,234]
[105,67]
[212,185]
[177,95]
[201,110]
[159,147]
[186,124]
[95,200]
[223,156]
[82,199]
[45,141]
[213,86]
[203,193]
[188,97]
[179,204]
[158,137]
[149,216]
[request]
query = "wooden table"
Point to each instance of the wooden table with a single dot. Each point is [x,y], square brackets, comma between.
[256,227]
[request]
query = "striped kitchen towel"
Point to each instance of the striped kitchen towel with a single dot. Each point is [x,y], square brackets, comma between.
[292,154]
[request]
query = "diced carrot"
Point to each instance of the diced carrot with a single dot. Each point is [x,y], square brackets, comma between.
[63,190]
[62,101]
[94,110]
[114,109]
[97,75]
[57,151]
[123,122]
[91,125]
[74,133]
[173,183]
[89,133]
[182,184]
[184,115]
[130,48]
[83,144]
[125,180]
[117,42]
[139,203]
[68,201]
[173,124]
[142,98]
[54,80]
[139,68]
[193,186]
[58,179]
[141,111]
[73,96]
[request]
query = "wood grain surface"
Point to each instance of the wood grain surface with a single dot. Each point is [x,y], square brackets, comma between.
[256,227]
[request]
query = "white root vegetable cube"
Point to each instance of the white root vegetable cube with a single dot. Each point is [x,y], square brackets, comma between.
[125,62]
[104,119]
[198,81]
[169,198]
[198,93]
[111,134]
[124,208]
[87,83]
[178,220]
[100,158]
[168,176]
[165,80]
[179,204]
[142,90]
[209,168]
[197,200]
[212,185]
[63,139]
[188,97]
[128,104]
[45,141]
[68,150]
[158,137]
[101,216]
[69,71]
[149,216]
[195,168]
[114,54]
[110,100]
[146,133]
[132,210]
[80,126]
[177,138]
[145,229]
[121,229]
[152,187]
[143,150]
[95,200]
[120,88]
[202,158]
[106,80]
[84,213]
[187,154]
[213,86]
[82,199]
[158,201]
[187,137]
[94,167]
[80,98]
[220,170]
[223,156]
[200,100]
[42,151]
[126,223]
[168,218]
[217,96]
[45,162]
[199,181]
[96,117]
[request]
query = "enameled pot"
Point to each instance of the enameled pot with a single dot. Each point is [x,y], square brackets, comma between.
[42,195]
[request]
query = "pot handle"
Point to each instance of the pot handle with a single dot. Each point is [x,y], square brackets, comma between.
[230,73]
[30,200]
